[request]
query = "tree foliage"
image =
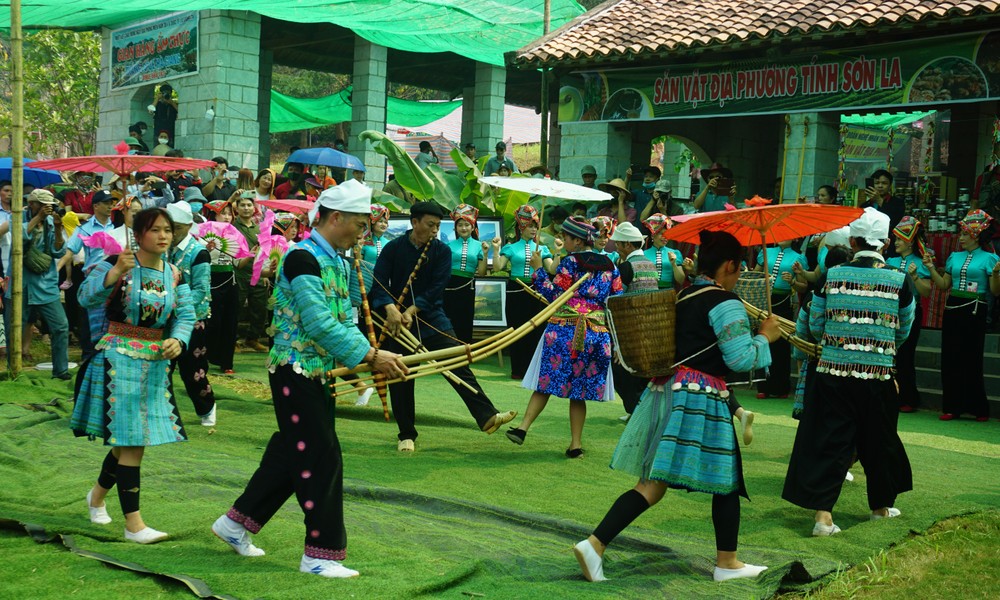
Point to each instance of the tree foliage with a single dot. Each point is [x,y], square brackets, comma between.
[61,92]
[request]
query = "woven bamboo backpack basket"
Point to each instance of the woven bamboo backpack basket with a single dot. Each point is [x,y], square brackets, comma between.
[642,329]
[751,287]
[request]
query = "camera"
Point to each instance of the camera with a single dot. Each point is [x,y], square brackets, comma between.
[158,185]
[59,211]
[247,194]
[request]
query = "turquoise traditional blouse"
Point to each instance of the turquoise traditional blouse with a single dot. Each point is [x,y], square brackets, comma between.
[519,255]
[658,256]
[978,265]
[903,264]
[372,248]
[465,256]
[785,258]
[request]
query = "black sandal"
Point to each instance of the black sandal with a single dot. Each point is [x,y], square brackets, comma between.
[516,435]
[574,452]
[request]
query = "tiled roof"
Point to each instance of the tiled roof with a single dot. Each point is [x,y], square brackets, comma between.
[626,29]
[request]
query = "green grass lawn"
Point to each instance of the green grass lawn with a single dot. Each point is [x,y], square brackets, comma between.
[469,514]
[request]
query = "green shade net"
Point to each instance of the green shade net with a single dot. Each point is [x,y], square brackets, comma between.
[884,120]
[482,30]
[291,114]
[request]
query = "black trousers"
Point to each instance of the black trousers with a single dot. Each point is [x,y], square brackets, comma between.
[193,364]
[963,339]
[221,326]
[779,382]
[401,395]
[843,415]
[906,366]
[521,306]
[303,457]
[255,297]
[460,305]
[628,386]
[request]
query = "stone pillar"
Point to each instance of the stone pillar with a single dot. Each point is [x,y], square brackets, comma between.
[264,107]
[488,102]
[368,105]
[606,146]
[468,120]
[227,81]
[820,145]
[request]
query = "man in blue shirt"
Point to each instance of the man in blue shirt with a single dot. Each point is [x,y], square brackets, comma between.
[43,230]
[642,195]
[101,204]
[500,160]
[420,264]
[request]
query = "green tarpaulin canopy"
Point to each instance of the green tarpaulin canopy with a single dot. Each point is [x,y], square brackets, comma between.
[478,29]
[884,120]
[291,114]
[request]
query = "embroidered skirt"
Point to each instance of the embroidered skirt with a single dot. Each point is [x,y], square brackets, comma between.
[555,369]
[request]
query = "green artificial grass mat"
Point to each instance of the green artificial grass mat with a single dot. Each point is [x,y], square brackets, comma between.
[465,515]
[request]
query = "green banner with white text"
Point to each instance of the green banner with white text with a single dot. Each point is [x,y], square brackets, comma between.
[962,68]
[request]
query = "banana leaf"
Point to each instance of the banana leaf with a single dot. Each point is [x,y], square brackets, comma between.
[447,187]
[411,177]
[393,203]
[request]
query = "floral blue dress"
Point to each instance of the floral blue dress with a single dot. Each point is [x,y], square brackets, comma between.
[573,358]
[123,392]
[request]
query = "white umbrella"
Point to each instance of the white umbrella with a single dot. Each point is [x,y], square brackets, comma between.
[548,187]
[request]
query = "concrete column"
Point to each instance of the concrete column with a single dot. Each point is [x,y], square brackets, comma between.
[820,145]
[488,102]
[368,105]
[228,82]
[606,146]
[468,114]
[264,107]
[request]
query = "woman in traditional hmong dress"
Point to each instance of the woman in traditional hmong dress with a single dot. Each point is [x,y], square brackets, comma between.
[468,260]
[573,358]
[681,435]
[123,392]
[521,305]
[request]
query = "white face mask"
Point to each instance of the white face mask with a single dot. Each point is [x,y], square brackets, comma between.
[163,140]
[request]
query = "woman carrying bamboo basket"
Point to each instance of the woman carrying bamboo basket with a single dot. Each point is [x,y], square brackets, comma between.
[584,372]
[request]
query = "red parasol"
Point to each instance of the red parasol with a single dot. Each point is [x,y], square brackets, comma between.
[122,164]
[765,224]
[301,207]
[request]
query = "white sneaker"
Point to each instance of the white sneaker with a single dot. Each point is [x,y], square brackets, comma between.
[746,570]
[849,476]
[893,512]
[209,419]
[821,530]
[98,514]
[365,397]
[325,568]
[624,418]
[236,536]
[590,561]
[147,535]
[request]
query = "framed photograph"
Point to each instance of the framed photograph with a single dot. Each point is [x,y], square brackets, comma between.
[489,228]
[491,302]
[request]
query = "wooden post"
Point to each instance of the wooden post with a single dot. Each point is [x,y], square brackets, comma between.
[17,179]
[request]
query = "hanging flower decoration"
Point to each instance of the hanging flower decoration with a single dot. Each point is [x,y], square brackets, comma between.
[928,160]
[842,158]
[888,149]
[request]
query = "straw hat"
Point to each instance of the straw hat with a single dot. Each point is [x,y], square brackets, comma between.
[615,185]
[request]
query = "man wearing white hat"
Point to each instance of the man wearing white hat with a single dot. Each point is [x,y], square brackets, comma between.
[638,274]
[861,311]
[314,330]
[193,259]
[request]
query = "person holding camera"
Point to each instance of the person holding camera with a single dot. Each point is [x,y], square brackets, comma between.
[43,246]
[426,156]
[878,195]
[718,191]
[220,186]
[165,113]
[662,203]
[643,195]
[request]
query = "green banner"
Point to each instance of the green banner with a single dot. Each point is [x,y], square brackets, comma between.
[154,50]
[961,68]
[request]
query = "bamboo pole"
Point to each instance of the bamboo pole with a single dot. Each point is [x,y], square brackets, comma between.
[411,343]
[784,157]
[802,157]
[17,179]
[366,313]
[530,290]
[457,357]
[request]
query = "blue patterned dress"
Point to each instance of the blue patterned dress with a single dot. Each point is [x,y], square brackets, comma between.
[573,358]
[123,391]
[682,431]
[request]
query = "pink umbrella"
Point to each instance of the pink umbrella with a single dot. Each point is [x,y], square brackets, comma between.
[293,206]
[223,237]
[122,164]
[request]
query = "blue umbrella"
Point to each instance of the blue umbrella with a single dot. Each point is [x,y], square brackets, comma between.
[327,157]
[36,177]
